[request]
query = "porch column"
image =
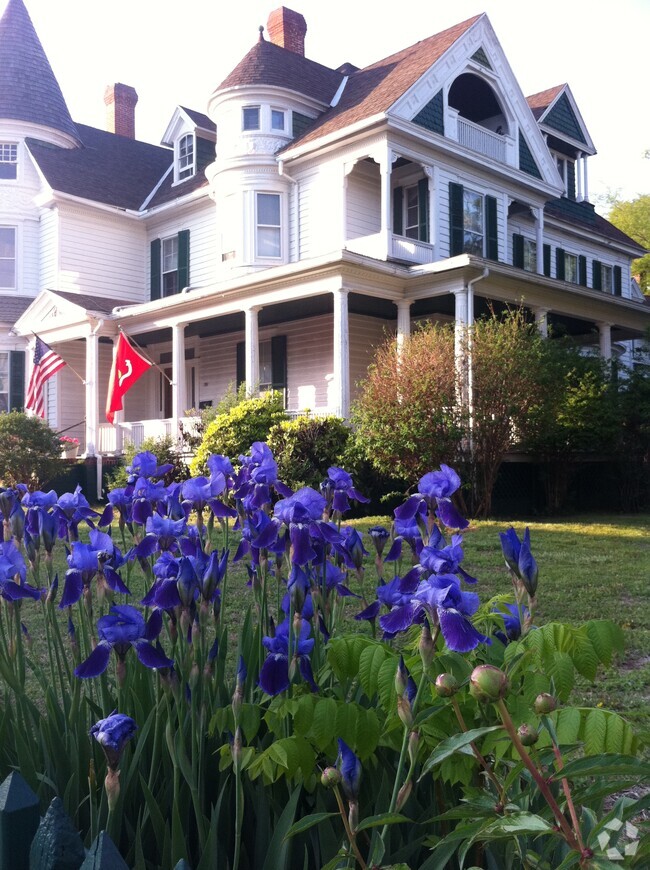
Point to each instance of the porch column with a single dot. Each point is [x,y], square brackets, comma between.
[539,239]
[342,351]
[605,333]
[90,383]
[178,376]
[541,321]
[252,348]
[403,323]
[385,167]
[431,175]
[460,342]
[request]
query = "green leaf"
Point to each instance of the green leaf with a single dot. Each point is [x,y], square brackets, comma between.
[323,728]
[370,662]
[278,849]
[382,819]
[517,824]
[567,725]
[308,822]
[451,745]
[607,764]
[561,672]
[595,732]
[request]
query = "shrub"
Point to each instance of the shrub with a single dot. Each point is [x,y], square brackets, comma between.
[164,449]
[29,450]
[232,433]
[306,447]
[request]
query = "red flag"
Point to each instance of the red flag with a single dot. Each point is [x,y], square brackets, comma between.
[128,366]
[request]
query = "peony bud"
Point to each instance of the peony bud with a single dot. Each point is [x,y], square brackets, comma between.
[528,736]
[112,786]
[446,685]
[330,777]
[544,703]
[404,794]
[487,684]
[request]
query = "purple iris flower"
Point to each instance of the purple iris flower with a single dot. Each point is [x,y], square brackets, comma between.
[121,498]
[511,621]
[447,559]
[349,766]
[122,628]
[12,563]
[343,489]
[71,508]
[161,534]
[444,603]
[259,532]
[379,535]
[112,734]
[274,674]
[519,558]
[145,464]
[352,549]
[83,567]
[198,491]
[303,506]
[39,499]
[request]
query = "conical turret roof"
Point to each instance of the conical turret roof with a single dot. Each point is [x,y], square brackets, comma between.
[29,90]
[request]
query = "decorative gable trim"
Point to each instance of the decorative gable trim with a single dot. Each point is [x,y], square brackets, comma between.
[432,116]
[481,57]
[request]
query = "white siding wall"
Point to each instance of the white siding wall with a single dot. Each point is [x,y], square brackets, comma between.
[363,204]
[101,254]
[591,252]
[201,222]
[321,210]
[69,393]
[49,250]
[366,334]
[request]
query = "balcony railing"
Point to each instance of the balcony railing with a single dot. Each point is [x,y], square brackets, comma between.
[411,250]
[479,139]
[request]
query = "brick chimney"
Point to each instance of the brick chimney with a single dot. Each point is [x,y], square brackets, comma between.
[287,29]
[120,103]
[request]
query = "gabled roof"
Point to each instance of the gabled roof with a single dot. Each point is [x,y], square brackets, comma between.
[11,307]
[583,215]
[269,64]
[28,89]
[375,88]
[540,102]
[114,170]
[557,113]
[199,119]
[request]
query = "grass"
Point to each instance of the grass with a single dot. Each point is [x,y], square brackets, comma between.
[590,567]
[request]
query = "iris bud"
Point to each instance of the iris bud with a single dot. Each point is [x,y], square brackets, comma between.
[446,685]
[330,777]
[544,703]
[426,647]
[487,684]
[528,736]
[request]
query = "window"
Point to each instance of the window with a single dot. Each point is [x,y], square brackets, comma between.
[277,119]
[410,211]
[567,170]
[8,161]
[7,258]
[530,255]
[272,364]
[251,118]
[12,380]
[268,225]
[607,278]
[170,264]
[265,367]
[472,223]
[569,267]
[186,157]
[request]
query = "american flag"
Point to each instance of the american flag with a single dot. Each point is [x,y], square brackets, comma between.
[46,364]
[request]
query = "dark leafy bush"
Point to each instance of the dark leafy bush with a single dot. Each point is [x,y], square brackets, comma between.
[29,450]
[232,433]
[306,447]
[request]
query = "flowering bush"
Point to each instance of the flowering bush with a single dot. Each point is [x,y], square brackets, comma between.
[273,735]
[68,441]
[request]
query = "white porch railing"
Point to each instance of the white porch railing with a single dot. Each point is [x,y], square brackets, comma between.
[479,139]
[411,250]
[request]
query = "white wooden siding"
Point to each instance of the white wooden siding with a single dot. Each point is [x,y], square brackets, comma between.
[201,223]
[68,394]
[363,205]
[366,334]
[49,250]
[116,267]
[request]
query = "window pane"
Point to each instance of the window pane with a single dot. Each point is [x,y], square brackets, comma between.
[7,242]
[268,242]
[607,274]
[268,209]
[170,283]
[571,268]
[530,255]
[170,254]
[277,119]
[473,244]
[265,366]
[251,118]
[473,212]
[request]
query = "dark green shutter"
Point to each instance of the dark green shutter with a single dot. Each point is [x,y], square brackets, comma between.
[398,210]
[518,250]
[597,275]
[582,270]
[546,251]
[241,363]
[16,380]
[618,281]
[279,362]
[423,209]
[491,232]
[559,264]
[183,259]
[155,269]
[456,230]
[570,179]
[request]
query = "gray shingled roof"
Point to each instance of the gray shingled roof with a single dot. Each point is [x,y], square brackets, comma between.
[91,303]
[28,89]
[11,307]
[270,64]
[115,170]
[199,118]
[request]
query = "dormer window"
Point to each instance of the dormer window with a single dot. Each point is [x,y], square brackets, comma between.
[251,118]
[186,165]
[8,161]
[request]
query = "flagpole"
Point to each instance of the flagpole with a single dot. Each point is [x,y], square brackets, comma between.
[146,356]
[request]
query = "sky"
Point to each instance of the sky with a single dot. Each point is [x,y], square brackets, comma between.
[176,53]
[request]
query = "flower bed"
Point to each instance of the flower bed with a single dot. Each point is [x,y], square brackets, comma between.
[437,730]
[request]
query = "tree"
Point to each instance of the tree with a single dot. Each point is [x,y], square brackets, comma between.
[29,450]
[633,218]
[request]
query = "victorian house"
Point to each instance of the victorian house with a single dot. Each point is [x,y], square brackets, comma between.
[277,235]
